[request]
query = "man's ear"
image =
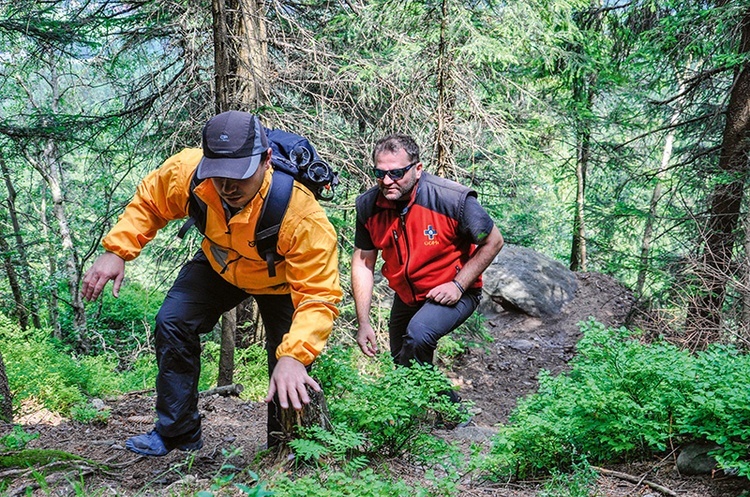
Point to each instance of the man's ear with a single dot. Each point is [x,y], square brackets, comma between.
[267,162]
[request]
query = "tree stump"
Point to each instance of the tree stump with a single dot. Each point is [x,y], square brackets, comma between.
[313,414]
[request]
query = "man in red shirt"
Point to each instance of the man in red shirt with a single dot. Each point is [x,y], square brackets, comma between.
[435,240]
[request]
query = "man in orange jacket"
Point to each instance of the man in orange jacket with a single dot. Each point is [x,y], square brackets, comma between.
[297,305]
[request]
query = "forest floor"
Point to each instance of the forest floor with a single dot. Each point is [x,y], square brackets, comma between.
[493,377]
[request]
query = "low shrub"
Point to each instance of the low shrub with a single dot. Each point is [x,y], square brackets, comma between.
[389,406]
[620,400]
[719,405]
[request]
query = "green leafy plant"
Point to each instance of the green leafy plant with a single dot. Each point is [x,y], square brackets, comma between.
[365,483]
[122,322]
[390,406]
[618,401]
[250,369]
[449,349]
[40,369]
[85,412]
[340,442]
[580,482]
[17,439]
[719,405]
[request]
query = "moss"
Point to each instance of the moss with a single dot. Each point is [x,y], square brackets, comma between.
[35,457]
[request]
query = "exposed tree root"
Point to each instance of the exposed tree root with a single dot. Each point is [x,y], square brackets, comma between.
[635,479]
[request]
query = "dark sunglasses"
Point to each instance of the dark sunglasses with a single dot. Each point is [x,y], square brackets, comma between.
[395,174]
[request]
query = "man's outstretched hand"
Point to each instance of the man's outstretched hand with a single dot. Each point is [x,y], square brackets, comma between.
[106,267]
[289,381]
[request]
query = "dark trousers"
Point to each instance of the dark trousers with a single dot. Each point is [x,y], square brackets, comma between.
[192,307]
[414,331]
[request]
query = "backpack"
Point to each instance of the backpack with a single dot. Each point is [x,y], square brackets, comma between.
[293,158]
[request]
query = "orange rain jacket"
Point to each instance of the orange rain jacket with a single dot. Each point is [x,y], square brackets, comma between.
[307,241]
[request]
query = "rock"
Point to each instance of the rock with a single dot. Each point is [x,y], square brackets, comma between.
[524,280]
[694,458]
[474,433]
[524,346]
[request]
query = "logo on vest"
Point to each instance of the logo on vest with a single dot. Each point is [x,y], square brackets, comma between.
[430,233]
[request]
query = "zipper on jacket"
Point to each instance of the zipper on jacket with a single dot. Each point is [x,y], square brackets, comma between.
[408,257]
[398,249]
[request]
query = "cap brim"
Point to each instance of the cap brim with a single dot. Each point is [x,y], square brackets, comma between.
[237,168]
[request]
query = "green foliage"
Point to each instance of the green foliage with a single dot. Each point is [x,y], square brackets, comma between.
[618,401]
[87,413]
[17,438]
[579,483]
[719,405]
[250,369]
[340,442]
[124,322]
[338,484]
[389,406]
[40,369]
[230,480]
[449,349]
[37,369]
[625,399]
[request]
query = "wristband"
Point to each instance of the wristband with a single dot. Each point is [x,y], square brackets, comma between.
[458,285]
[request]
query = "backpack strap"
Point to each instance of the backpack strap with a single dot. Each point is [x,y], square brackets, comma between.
[274,208]
[196,210]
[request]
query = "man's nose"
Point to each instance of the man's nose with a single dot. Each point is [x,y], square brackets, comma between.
[227,185]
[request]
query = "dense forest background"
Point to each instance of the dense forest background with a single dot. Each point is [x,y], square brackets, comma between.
[611,136]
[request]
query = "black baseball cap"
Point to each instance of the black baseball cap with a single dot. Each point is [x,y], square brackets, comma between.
[233,143]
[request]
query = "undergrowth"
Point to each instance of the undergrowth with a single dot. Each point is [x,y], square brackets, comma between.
[379,409]
[623,400]
[51,374]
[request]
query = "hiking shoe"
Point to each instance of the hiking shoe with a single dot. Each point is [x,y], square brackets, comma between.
[152,444]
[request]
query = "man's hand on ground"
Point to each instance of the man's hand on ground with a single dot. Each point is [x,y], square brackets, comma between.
[289,380]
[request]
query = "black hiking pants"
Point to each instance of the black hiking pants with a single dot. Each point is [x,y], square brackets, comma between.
[414,331]
[193,306]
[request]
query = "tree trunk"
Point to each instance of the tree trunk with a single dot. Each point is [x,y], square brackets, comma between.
[53,299]
[48,165]
[240,71]
[745,287]
[49,170]
[6,401]
[584,94]
[250,329]
[26,302]
[313,414]
[666,156]
[584,90]
[21,313]
[703,322]
[444,131]
[240,55]
[226,358]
